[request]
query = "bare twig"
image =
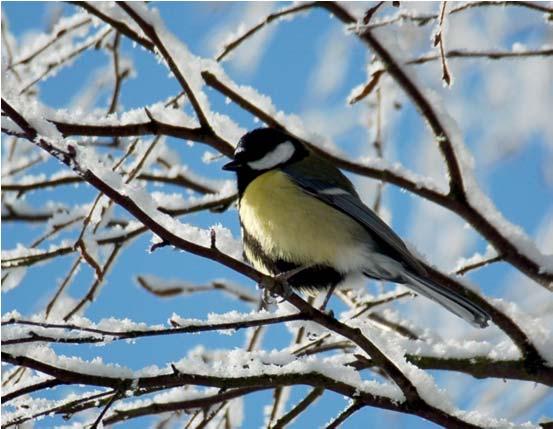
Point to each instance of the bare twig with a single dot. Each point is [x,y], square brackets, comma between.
[69,407]
[121,26]
[25,261]
[70,275]
[525,4]
[9,49]
[344,415]
[154,126]
[228,48]
[377,144]
[299,408]
[439,41]
[119,75]
[47,384]
[100,276]
[492,55]
[178,180]
[184,288]
[482,263]
[114,397]
[102,335]
[54,38]
[20,168]
[151,32]
[453,54]
[101,35]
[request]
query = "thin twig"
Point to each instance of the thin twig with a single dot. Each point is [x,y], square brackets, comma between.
[492,55]
[47,384]
[53,39]
[100,35]
[473,266]
[116,395]
[299,408]
[152,34]
[121,26]
[344,415]
[184,288]
[91,294]
[102,335]
[439,41]
[228,48]
[154,126]
[118,74]
[70,275]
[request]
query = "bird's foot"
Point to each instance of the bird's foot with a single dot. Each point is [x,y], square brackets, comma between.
[328,295]
[274,287]
[278,285]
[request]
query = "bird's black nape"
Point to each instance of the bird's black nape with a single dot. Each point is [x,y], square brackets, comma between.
[257,143]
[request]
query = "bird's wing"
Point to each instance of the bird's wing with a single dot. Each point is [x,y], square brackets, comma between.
[350,204]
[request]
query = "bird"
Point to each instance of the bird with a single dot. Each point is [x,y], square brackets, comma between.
[300,214]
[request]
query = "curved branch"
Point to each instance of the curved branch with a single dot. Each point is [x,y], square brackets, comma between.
[109,336]
[118,25]
[47,384]
[163,407]
[229,47]
[420,20]
[492,55]
[53,39]
[481,367]
[178,378]
[177,180]
[152,127]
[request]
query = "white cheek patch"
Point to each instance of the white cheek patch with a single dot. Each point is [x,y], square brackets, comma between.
[279,155]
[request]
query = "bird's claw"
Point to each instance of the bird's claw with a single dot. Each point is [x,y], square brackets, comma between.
[277,285]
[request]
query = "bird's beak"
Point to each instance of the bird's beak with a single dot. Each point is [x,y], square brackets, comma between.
[232,166]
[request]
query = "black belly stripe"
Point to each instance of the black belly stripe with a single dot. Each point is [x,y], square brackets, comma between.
[315,277]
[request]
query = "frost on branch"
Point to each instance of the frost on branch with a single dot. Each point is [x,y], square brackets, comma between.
[126,297]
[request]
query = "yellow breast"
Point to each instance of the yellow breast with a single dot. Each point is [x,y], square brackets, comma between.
[291,225]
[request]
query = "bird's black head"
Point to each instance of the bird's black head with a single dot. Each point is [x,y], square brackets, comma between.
[261,150]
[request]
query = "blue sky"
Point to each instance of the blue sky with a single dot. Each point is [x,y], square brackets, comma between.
[516,184]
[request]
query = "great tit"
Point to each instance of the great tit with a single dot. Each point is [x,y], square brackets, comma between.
[300,214]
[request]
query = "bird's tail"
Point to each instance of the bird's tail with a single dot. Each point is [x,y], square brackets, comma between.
[453,301]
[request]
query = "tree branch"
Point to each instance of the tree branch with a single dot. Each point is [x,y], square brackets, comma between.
[151,32]
[110,336]
[179,378]
[154,126]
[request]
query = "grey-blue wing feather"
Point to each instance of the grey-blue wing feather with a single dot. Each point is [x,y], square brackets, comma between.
[350,204]
[340,195]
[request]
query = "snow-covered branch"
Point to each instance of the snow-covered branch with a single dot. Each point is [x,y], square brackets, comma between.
[137,171]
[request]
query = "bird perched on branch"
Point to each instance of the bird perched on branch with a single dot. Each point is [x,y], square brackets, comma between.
[300,215]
